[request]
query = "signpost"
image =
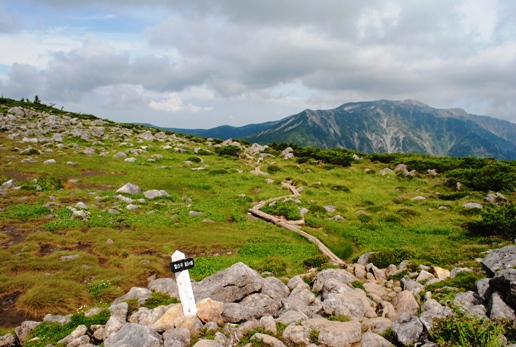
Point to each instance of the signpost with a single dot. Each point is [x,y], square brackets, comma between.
[180,266]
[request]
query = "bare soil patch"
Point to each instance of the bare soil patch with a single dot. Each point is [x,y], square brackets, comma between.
[8,315]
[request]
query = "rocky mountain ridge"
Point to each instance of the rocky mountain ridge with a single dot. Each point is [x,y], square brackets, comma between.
[385,126]
[332,307]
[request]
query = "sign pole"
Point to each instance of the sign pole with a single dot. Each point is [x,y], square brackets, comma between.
[180,266]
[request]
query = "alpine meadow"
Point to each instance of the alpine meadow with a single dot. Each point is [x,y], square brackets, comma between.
[90,208]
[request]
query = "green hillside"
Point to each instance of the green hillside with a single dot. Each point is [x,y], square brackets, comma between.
[68,239]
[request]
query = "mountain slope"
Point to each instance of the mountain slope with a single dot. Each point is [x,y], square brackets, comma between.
[396,126]
[223,131]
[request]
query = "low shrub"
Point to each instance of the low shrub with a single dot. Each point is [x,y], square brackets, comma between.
[465,330]
[273,169]
[383,259]
[496,222]
[24,212]
[340,188]
[316,260]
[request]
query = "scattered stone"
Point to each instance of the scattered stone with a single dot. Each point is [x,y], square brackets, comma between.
[153,194]
[130,188]
[49,162]
[472,205]
[499,259]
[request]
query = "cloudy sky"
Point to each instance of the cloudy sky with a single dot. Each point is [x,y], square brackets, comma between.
[203,63]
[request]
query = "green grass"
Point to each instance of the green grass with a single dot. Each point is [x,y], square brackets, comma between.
[378,213]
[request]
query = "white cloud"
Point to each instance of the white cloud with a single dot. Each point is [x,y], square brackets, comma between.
[174,104]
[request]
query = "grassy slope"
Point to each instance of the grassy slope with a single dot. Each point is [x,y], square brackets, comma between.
[378,211]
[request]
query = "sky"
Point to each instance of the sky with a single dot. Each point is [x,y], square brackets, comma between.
[204,63]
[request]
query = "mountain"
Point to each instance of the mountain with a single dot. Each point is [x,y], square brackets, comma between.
[396,126]
[224,131]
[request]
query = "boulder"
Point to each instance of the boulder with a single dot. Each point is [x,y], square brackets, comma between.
[499,259]
[270,306]
[164,285]
[8,340]
[237,313]
[147,317]
[268,340]
[338,275]
[411,285]
[289,317]
[407,329]
[497,309]
[134,335]
[505,283]
[139,293]
[471,302]
[166,321]
[335,334]
[23,331]
[130,188]
[177,337]
[374,340]
[191,323]
[210,311]
[229,285]
[343,305]
[81,330]
[432,310]
[376,325]
[441,273]
[297,335]
[405,302]
[472,205]
[274,288]
[153,194]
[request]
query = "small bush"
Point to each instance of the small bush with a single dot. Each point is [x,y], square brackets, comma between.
[496,222]
[357,284]
[383,259]
[464,330]
[218,172]
[340,188]
[273,169]
[398,276]
[316,260]
[159,299]
[453,195]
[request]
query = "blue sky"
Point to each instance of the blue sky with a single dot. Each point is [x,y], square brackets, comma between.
[200,64]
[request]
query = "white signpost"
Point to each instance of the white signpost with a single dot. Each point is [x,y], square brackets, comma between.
[180,266]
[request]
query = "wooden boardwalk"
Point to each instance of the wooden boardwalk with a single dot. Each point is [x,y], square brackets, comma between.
[256,211]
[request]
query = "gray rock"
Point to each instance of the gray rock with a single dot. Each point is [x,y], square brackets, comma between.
[289,317]
[164,285]
[376,325]
[374,340]
[343,305]
[139,293]
[195,213]
[505,282]
[237,313]
[471,302]
[495,198]
[364,258]
[147,317]
[406,303]
[270,306]
[407,329]
[424,276]
[274,288]
[23,331]
[69,257]
[432,310]
[177,337]
[130,188]
[9,184]
[335,334]
[131,207]
[119,310]
[411,285]
[59,319]
[50,162]
[120,155]
[134,335]
[497,309]
[268,340]
[191,323]
[472,205]
[483,289]
[8,340]
[130,160]
[229,285]
[301,299]
[269,324]
[378,273]
[77,333]
[297,335]
[153,194]
[339,275]
[499,259]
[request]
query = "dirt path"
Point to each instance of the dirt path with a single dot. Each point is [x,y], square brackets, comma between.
[256,210]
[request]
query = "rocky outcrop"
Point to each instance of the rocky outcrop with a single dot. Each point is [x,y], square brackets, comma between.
[329,311]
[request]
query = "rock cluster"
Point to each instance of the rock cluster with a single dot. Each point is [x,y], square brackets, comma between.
[333,310]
